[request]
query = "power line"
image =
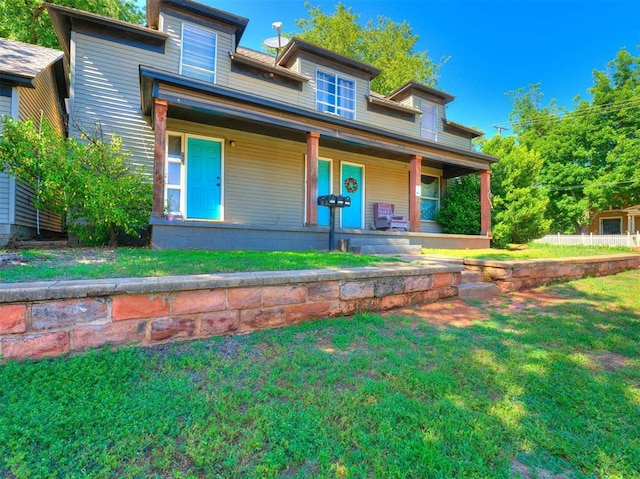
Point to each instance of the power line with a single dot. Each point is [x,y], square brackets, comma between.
[553,116]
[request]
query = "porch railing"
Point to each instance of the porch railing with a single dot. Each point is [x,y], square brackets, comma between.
[629,240]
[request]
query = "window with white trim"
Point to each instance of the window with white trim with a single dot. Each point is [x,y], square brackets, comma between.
[335,94]
[429,197]
[198,56]
[611,226]
[429,121]
[174,174]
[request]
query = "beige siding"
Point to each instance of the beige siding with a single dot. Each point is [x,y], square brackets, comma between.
[172,25]
[106,93]
[44,98]
[263,176]
[453,140]
[364,115]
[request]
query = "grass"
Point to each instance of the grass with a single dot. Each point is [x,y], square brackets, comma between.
[545,385]
[96,263]
[532,251]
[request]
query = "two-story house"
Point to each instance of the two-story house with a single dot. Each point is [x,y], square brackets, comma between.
[33,85]
[240,144]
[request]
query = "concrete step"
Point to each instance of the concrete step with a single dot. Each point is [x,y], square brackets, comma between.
[377,240]
[477,291]
[387,249]
[469,277]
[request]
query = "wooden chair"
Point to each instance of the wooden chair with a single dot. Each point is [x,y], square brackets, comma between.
[385,218]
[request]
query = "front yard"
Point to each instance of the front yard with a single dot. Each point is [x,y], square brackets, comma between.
[544,383]
[98,263]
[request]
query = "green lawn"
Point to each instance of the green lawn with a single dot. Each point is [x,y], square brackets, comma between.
[532,251]
[546,385]
[95,263]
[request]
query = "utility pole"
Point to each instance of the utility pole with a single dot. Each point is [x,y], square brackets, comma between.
[500,128]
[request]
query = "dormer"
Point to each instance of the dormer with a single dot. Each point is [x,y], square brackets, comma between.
[340,84]
[200,37]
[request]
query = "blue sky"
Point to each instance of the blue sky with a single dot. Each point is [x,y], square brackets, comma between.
[493,46]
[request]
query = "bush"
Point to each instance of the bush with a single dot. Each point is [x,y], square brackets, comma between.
[460,208]
[89,183]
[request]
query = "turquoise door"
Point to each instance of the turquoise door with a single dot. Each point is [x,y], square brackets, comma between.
[324,188]
[204,179]
[352,180]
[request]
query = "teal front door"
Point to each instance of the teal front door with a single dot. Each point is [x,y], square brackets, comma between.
[204,179]
[352,180]
[324,188]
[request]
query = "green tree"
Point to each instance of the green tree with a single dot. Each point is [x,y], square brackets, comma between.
[89,182]
[591,153]
[27,20]
[519,204]
[383,43]
[459,212]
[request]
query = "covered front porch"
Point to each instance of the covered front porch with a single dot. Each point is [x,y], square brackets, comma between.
[221,236]
[273,161]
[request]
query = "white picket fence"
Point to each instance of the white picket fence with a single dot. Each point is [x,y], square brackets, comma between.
[630,240]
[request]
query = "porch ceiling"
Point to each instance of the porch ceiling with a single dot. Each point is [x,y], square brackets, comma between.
[215,105]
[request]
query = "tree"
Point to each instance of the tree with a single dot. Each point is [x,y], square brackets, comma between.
[88,182]
[459,212]
[591,153]
[382,43]
[519,204]
[27,20]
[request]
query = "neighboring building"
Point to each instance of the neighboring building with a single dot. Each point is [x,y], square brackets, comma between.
[32,85]
[616,222]
[240,144]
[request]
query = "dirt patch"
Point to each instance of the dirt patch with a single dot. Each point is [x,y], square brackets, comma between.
[523,471]
[59,257]
[457,313]
[609,361]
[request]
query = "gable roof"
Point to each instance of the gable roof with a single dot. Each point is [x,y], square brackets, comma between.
[409,87]
[238,24]
[65,19]
[22,62]
[290,53]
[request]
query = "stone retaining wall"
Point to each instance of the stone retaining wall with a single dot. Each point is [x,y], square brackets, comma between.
[512,276]
[54,318]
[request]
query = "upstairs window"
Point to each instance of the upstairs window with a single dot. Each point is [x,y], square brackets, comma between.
[198,58]
[429,121]
[335,94]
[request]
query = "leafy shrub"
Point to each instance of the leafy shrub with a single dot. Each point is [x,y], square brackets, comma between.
[89,182]
[460,208]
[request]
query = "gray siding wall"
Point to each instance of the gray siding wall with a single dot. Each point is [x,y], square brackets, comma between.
[43,100]
[106,94]
[5,181]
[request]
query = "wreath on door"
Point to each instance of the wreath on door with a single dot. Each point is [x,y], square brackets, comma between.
[351,184]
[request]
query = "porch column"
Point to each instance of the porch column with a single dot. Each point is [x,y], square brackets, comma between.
[485,203]
[160,132]
[313,149]
[415,180]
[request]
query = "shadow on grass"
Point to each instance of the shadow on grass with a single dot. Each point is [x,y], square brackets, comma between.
[515,386]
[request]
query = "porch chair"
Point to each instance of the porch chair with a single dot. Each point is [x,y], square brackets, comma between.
[384,214]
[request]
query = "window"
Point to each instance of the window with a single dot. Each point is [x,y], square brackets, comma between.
[174,174]
[611,226]
[429,121]
[198,53]
[429,198]
[335,94]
